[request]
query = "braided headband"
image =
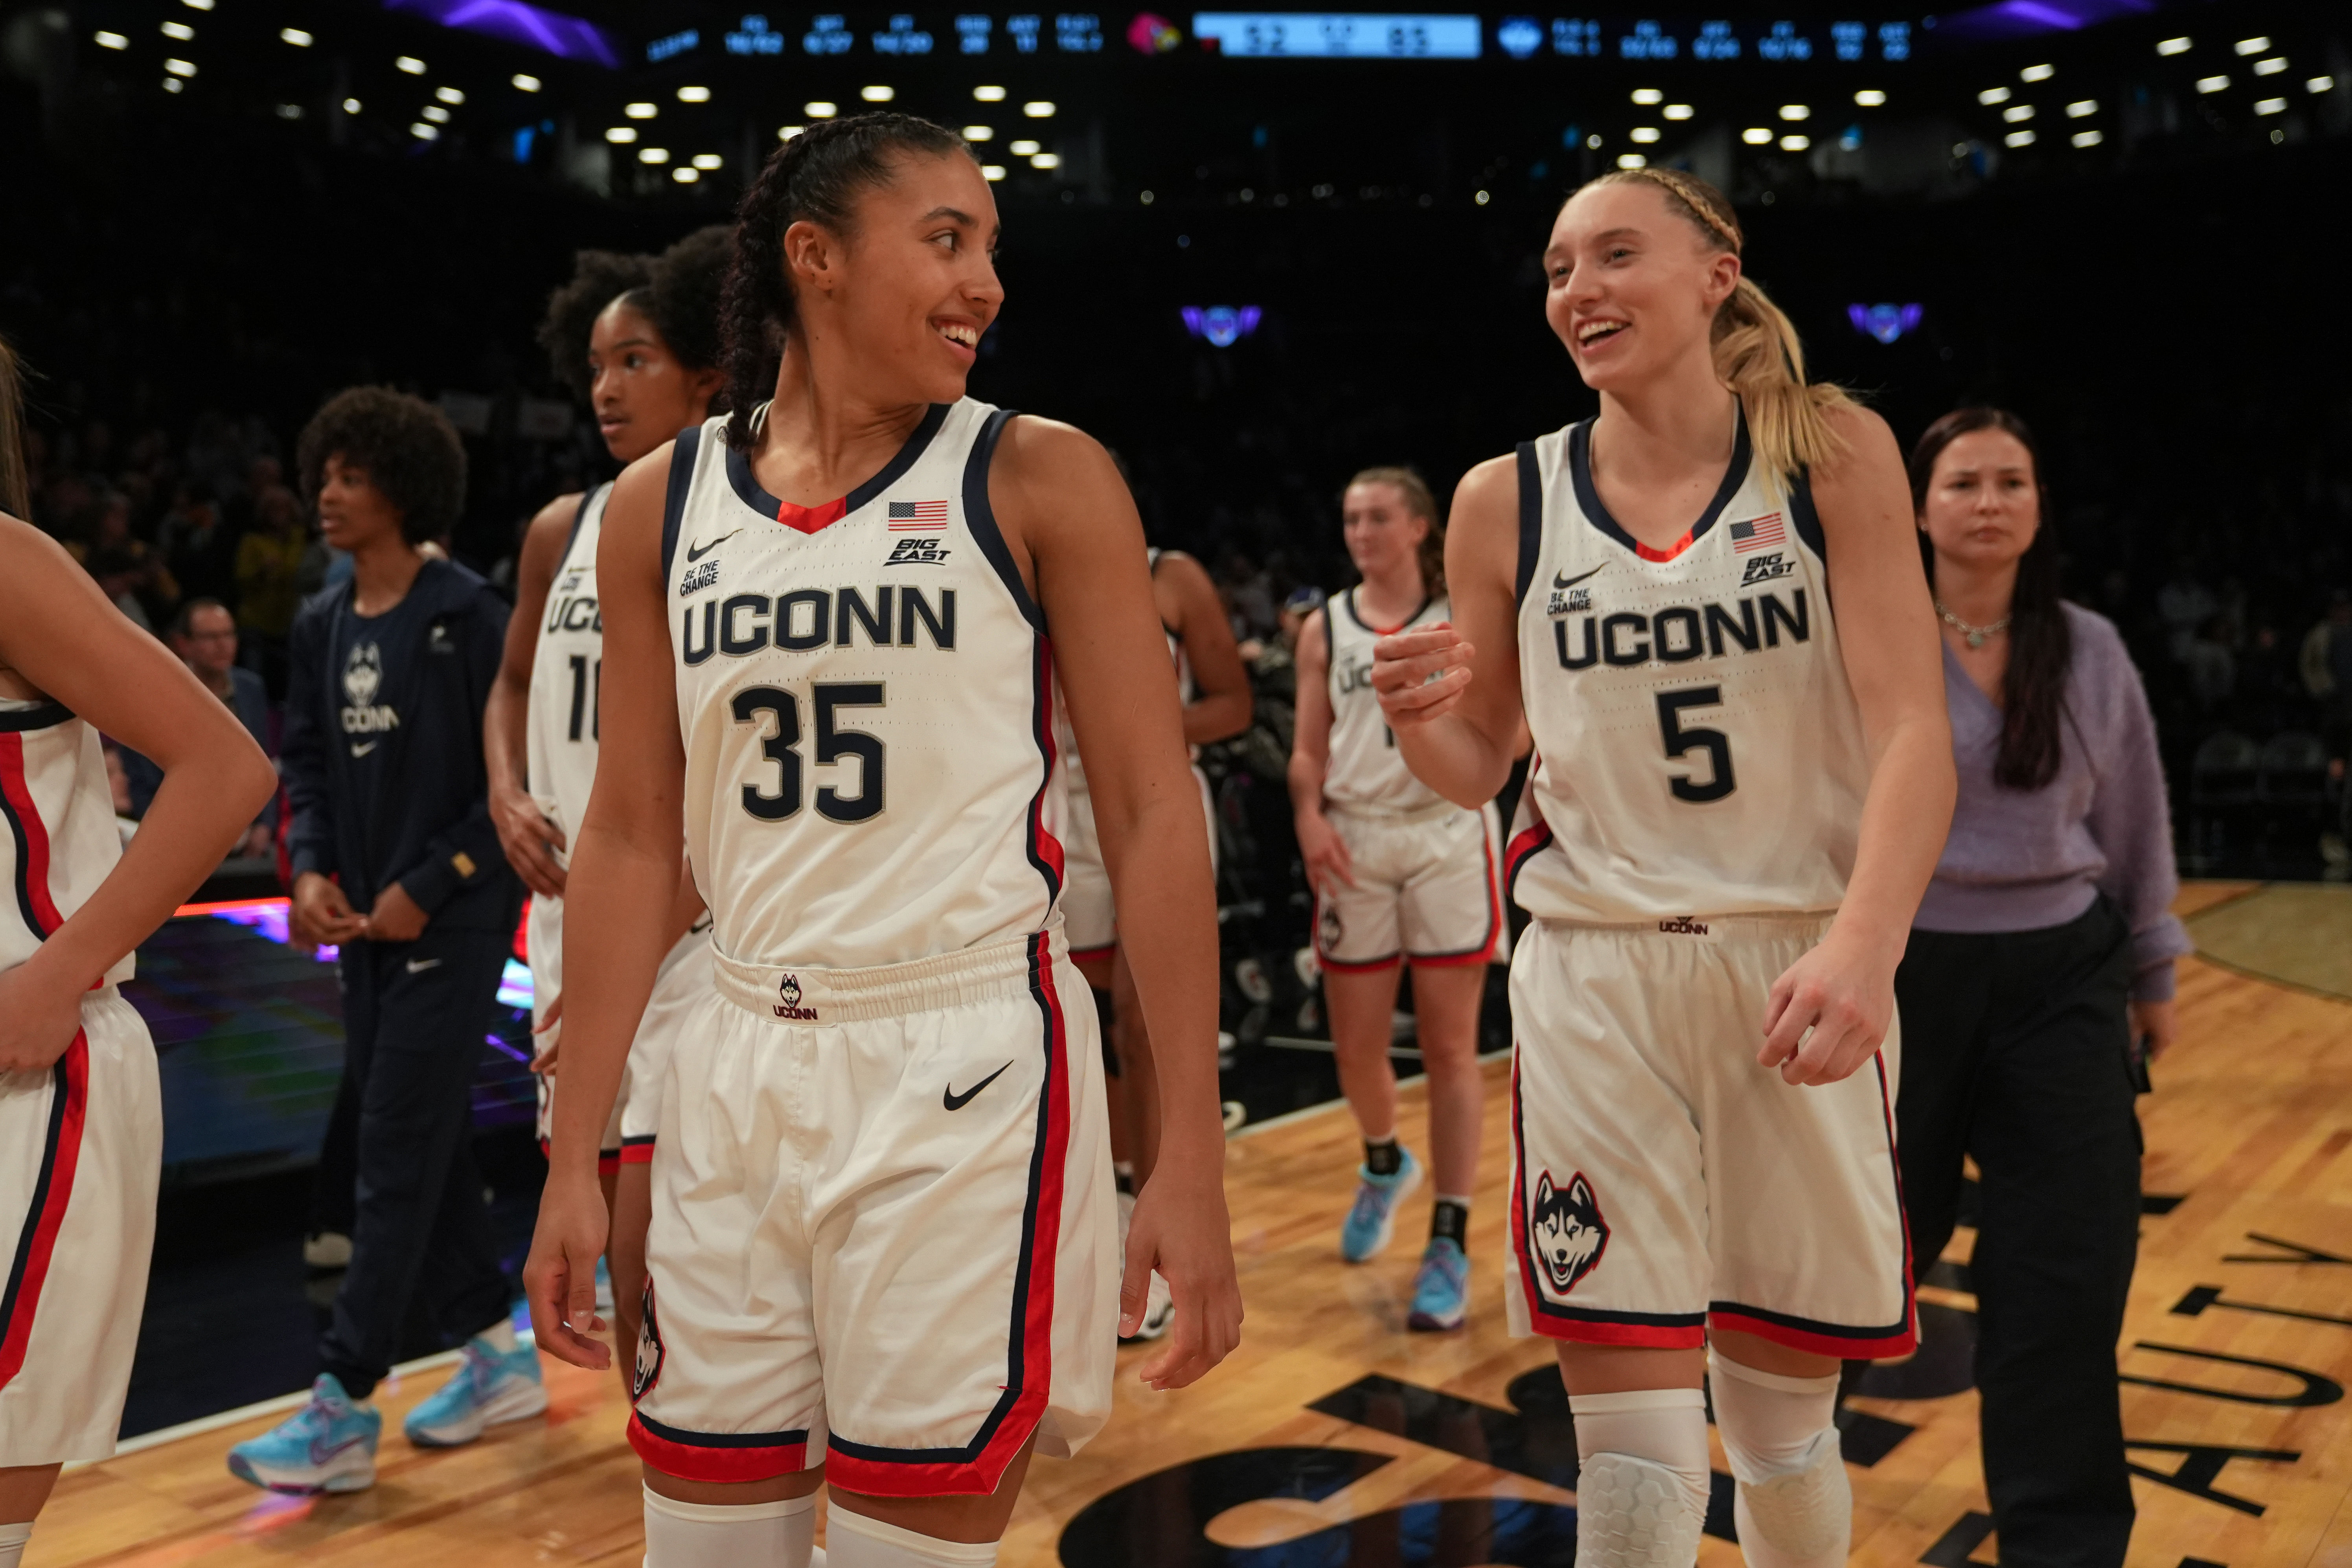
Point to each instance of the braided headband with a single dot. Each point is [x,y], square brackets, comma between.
[1685,192]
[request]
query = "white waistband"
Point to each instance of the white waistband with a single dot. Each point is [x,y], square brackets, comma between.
[790,994]
[1809,925]
[1435,810]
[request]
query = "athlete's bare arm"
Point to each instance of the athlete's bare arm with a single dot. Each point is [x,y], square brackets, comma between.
[1458,734]
[1074,535]
[1188,601]
[1320,848]
[61,640]
[523,829]
[618,910]
[1843,990]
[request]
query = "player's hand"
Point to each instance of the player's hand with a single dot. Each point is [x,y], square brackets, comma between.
[559,1280]
[397,917]
[1179,1227]
[38,1019]
[1843,991]
[529,840]
[1420,675]
[1325,853]
[2156,1024]
[547,1040]
[320,914]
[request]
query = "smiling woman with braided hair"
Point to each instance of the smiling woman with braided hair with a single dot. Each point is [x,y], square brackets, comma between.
[883,1251]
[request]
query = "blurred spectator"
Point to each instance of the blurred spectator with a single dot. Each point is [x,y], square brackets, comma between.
[204,635]
[2326,666]
[2213,667]
[268,578]
[128,572]
[196,544]
[2184,603]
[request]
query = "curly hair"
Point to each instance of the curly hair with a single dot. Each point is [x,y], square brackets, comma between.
[598,277]
[409,449]
[818,176]
[682,297]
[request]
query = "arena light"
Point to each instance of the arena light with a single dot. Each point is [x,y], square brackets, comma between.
[516,22]
[685,176]
[180,68]
[2271,106]
[2271,66]
[642,110]
[1648,95]
[106,40]
[173,84]
[786,132]
[621,135]
[877,93]
[1884,322]
[424,132]
[525,84]
[197,5]
[1795,144]
[411,65]
[2320,84]
[1632,161]
[2172,47]
[289,111]
[1149,198]
[449,95]
[295,37]
[2213,83]
[436,113]
[2037,73]
[2018,113]
[693,95]
[2251,46]
[708,160]
[1022,148]
[2086,138]
[1993,95]
[1677,111]
[1757,136]
[979,132]
[1045,161]
[2018,139]
[653,154]
[991,171]
[1795,112]
[1481,199]
[1222,326]
[351,106]
[820,110]
[1038,109]
[1646,133]
[1870,98]
[988,95]
[178,30]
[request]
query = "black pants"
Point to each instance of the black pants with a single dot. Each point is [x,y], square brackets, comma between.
[2016,1050]
[415,1015]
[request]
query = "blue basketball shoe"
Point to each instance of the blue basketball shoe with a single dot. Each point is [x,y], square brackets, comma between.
[1441,1291]
[328,1446]
[1372,1220]
[490,1386]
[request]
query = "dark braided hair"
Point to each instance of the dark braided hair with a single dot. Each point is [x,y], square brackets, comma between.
[816,176]
[598,277]
[2041,643]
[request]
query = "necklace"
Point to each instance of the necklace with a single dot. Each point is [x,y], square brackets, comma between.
[1977,635]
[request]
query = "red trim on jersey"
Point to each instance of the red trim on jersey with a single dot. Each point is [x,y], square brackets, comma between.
[36,1244]
[32,876]
[1530,842]
[1494,920]
[1088,954]
[636,1151]
[1044,850]
[1669,552]
[811,519]
[608,1162]
[726,1460]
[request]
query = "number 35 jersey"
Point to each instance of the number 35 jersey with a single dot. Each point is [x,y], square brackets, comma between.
[1698,748]
[863,691]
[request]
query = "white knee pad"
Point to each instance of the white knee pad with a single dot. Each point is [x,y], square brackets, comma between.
[1641,1499]
[1795,1508]
[12,1541]
[857,1541]
[724,1535]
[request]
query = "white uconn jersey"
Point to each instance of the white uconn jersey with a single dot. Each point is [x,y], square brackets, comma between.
[865,693]
[1698,747]
[57,837]
[565,675]
[1365,770]
[1065,738]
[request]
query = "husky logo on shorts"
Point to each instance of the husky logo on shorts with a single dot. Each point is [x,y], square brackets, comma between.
[1330,927]
[788,1000]
[649,1351]
[1565,1231]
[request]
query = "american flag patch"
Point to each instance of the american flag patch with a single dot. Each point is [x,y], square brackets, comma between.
[909,516]
[1757,533]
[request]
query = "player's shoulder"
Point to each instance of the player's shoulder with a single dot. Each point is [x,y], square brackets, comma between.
[1031,447]
[1864,449]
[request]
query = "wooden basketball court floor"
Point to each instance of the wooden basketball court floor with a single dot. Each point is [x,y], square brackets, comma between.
[1333,1436]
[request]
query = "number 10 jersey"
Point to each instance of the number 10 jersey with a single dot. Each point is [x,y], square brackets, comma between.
[1698,747]
[864,695]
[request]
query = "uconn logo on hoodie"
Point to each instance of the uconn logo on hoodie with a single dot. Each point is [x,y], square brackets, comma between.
[363,679]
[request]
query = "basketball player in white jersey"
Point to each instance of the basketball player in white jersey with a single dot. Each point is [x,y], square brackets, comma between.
[81,1116]
[639,337]
[1708,607]
[882,1250]
[1401,875]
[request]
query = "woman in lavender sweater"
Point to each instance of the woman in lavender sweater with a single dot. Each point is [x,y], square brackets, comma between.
[2040,960]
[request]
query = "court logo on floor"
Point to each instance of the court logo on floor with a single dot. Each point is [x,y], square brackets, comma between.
[1565,1229]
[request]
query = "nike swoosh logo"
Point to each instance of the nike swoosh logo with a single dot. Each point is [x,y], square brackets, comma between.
[1560,582]
[697,552]
[955,1102]
[419,965]
[360,751]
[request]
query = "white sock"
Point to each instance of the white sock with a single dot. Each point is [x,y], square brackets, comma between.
[13,1538]
[500,1336]
[1632,1447]
[860,1542]
[724,1535]
[1795,1508]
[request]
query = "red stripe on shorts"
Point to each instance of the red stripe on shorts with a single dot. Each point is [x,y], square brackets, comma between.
[1494,920]
[25,813]
[1820,1340]
[721,1458]
[45,1216]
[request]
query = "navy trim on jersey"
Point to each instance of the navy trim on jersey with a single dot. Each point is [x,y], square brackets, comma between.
[22,879]
[978,517]
[682,455]
[747,485]
[1808,520]
[41,716]
[579,516]
[718,1440]
[1588,500]
[1530,519]
[1420,610]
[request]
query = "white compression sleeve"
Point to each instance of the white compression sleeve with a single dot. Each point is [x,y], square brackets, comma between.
[1795,1506]
[855,1541]
[713,1535]
[1641,1499]
[13,1538]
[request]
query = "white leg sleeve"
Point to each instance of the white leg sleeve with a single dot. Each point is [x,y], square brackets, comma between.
[740,1535]
[13,1538]
[1641,1499]
[855,1541]
[1795,1508]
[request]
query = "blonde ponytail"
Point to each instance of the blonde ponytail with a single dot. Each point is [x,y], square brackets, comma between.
[1756,349]
[15,497]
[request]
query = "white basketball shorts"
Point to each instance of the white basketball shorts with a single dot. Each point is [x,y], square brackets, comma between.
[884,1237]
[1663,1182]
[1086,903]
[80,1146]
[683,979]
[1425,890]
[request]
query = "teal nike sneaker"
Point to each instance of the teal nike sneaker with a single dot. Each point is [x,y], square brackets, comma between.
[328,1446]
[490,1386]
[1441,1290]
[1373,1219]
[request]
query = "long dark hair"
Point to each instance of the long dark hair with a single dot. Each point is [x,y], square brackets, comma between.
[2040,644]
[15,488]
[817,176]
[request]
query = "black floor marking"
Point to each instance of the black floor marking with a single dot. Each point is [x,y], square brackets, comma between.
[1945,1363]
[2161,1203]
[2201,1297]
[1948,1275]
[2302,1254]
[1955,1547]
[2201,1467]
[2316,1389]
[1538,1439]
[1157,1520]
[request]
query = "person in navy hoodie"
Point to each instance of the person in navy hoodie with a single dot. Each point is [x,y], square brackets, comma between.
[396,861]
